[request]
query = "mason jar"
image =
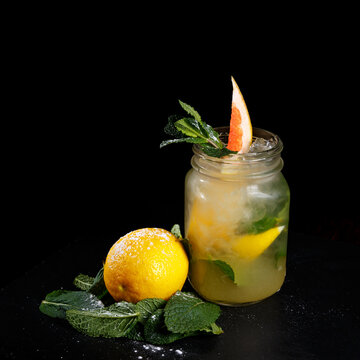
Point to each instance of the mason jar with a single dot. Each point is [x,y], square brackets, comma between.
[236,222]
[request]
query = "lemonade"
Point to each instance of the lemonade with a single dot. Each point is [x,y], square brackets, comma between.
[236,221]
[236,206]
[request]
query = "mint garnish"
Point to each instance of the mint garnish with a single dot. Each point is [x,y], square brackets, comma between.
[216,152]
[175,230]
[156,333]
[147,307]
[98,287]
[58,302]
[266,223]
[93,311]
[185,312]
[155,321]
[191,111]
[93,285]
[83,282]
[114,321]
[225,268]
[194,130]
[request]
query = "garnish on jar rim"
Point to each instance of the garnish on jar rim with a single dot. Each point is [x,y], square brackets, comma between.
[192,129]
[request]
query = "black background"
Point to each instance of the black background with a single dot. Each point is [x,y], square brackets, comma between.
[88,104]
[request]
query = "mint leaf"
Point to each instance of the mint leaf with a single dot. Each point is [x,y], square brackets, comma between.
[93,285]
[175,230]
[262,225]
[117,320]
[216,152]
[170,128]
[190,110]
[225,268]
[155,331]
[98,287]
[191,140]
[136,333]
[206,129]
[58,302]
[147,307]
[213,329]
[83,282]
[185,312]
[213,135]
[189,127]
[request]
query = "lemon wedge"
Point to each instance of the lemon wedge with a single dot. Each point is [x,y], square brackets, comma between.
[250,246]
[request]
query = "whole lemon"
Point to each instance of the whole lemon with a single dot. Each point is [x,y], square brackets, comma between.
[145,263]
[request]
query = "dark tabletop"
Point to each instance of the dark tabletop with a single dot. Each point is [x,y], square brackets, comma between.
[316,314]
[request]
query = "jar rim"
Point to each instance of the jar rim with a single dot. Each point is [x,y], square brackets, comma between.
[246,157]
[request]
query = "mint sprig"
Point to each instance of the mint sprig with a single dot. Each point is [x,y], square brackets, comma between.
[155,321]
[114,321]
[93,285]
[225,268]
[58,302]
[93,312]
[175,230]
[185,312]
[265,223]
[194,130]
[83,282]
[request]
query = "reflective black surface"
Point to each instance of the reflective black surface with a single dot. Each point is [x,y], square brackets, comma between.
[316,314]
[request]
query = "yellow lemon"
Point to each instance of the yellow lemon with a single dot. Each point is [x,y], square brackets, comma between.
[251,246]
[145,263]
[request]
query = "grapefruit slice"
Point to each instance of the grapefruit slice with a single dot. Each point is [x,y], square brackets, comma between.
[240,135]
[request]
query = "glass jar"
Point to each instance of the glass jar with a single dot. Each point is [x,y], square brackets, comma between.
[236,222]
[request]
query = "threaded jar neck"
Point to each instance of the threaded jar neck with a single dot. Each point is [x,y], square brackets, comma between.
[238,166]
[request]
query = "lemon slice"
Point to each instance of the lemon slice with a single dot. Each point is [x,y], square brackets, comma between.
[251,246]
[240,135]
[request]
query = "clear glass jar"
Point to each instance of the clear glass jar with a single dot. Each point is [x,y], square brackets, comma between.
[236,222]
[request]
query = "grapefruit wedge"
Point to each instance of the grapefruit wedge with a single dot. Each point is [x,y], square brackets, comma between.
[240,135]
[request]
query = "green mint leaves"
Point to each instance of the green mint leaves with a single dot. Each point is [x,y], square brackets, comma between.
[58,302]
[222,265]
[83,282]
[93,285]
[185,313]
[266,223]
[114,321]
[225,268]
[147,307]
[176,231]
[193,130]
[155,321]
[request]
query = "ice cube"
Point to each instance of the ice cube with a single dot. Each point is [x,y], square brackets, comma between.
[261,144]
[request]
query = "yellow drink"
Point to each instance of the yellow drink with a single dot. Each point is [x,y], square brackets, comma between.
[236,219]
